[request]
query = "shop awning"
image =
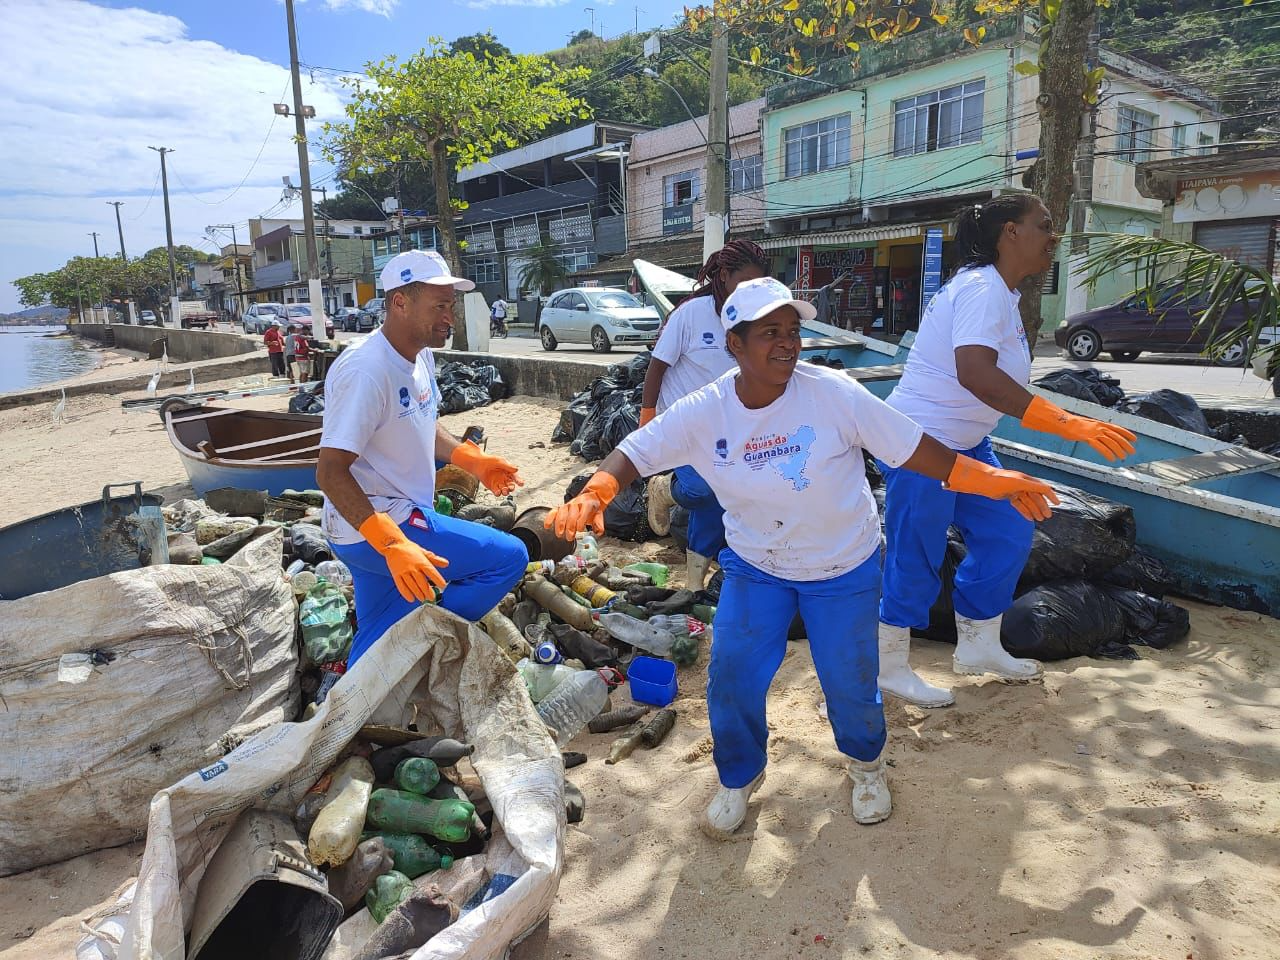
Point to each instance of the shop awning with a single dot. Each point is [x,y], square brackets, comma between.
[846,238]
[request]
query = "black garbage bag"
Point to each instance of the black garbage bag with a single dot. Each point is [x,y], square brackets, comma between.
[1148,620]
[630,373]
[572,418]
[1143,572]
[1086,536]
[1070,618]
[1088,384]
[624,419]
[304,401]
[712,589]
[591,443]
[489,377]
[1168,406]
[627,516]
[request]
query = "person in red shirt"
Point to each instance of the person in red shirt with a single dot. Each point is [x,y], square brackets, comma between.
[274,340]
[302,353]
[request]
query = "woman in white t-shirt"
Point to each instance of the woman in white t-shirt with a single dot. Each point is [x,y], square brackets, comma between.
[781,447]
[690,354]
[968,367]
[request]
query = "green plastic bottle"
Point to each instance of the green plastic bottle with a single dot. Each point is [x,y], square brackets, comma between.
[397,811]
[703,611]
[413,855]
[388,892]
[326,626]
[210,562]
[417,775]
[659,573]
[444,506]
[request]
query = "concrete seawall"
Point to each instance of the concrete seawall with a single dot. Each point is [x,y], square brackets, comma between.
[185,346]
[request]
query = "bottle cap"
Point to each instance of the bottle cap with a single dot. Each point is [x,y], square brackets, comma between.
[546,652]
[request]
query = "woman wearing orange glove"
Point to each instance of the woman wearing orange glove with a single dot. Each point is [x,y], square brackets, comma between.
[378,454]
[969,366]
[781,447]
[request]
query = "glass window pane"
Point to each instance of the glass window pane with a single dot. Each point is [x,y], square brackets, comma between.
[949,124]
[903,131]
[971,130]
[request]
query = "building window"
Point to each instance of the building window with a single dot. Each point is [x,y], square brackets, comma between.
[357,230]
[1206,144]
[520,235]
[576,258]
[680,188]
[481,240]
[1179,140]
[567,229]
[746,173]
[1135,130]
[484,270]
[814,147]
[934,121]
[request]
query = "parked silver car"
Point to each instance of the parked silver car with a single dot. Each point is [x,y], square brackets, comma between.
[600,316]
[259,316]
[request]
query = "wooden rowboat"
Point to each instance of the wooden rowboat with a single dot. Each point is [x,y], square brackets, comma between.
[248,449]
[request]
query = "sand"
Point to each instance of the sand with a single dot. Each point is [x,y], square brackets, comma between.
[1116,809]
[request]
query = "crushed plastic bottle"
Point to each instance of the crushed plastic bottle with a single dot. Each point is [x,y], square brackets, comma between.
[349,881]
[336,832]
[335,571]
[541,679]
[417,775]
[639,633]
[573,704]
[678,624]
[395,811]
[326,625]
[388,892]
[585,547]
[413,855]
[659,573]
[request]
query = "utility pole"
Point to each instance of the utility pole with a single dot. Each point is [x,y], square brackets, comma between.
[94,234]
[235,259]
[592,11]
[117,204]
[168,236]
[314,291]
[713,221]
[1076,298]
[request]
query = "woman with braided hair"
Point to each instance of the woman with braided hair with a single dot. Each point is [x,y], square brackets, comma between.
[690,353]
[968,367]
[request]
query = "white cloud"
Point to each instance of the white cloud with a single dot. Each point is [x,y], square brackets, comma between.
[87,89]
[383,8]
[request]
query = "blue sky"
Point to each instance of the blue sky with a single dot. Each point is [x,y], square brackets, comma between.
[89,86]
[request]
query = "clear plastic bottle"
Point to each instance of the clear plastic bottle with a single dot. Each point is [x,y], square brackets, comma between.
[335,571]
[336,832]
[678,624]
[573,704]
[639,633]
[543,678]
[586,548]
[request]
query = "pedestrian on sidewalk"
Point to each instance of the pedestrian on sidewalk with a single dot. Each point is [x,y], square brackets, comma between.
[690,354]
[302,353]
[377,468]
[274,340]
[781,446]
[290,350]
[968,367]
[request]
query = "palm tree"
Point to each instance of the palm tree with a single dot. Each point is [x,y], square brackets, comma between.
[1208,281]
[544,271]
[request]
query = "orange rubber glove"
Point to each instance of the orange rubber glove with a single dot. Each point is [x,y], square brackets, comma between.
[647,414]
[1114,443]
[586,509]
[1030,497]
[413,569]
[499,476]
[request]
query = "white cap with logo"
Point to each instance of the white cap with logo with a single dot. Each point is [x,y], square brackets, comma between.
[753,299]
[421,266]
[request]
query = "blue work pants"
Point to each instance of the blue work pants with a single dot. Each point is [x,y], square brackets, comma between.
[706,516]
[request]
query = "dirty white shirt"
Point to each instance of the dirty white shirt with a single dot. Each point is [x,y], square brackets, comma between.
[790,475]
[382,408]
[692,345]
[975,308]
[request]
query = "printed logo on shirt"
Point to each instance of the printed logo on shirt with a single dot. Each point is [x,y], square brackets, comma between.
[722,448]
[786,453]
[404,397]
[708,337]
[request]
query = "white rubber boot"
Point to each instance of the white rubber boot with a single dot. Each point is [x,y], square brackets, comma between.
[660,504]
[978,651]
[897,677]
[871,800]
[728,809]
[695,570]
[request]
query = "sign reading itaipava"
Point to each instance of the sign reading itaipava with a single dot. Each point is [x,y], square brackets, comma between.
[1255,194]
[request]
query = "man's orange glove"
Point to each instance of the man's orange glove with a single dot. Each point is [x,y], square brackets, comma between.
[647,414]
[586,509]
[1111,441]
[413,569]
[499,476]
[1030,497]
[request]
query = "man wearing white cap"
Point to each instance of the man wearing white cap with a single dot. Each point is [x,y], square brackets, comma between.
[378,452]
[780,445]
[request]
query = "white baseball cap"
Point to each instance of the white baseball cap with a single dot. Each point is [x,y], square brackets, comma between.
[421,266]
[753,299]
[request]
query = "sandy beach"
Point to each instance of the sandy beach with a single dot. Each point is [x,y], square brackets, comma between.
[1117,809]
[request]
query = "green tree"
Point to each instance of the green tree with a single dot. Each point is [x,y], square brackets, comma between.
[478,44]
[85,280]
[438,106]
[362,192]
[544,271]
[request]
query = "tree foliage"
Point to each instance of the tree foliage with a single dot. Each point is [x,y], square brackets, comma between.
[544,271]
[439,108]
[94,279]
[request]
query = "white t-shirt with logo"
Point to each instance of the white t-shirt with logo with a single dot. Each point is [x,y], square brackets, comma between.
[790,475]
[382,408]
[692,345]
[499,309]
[975,308]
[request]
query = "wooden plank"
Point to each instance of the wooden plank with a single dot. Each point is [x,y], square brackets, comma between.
[888,371]
[223,451]
[284,455]
[1230,462]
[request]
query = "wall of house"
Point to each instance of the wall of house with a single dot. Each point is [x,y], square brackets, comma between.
[789,197]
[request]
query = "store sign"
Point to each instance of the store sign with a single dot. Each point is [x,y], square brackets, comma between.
[677,219]
[845,259]
[931,268]
[804,269]
[1255,194]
